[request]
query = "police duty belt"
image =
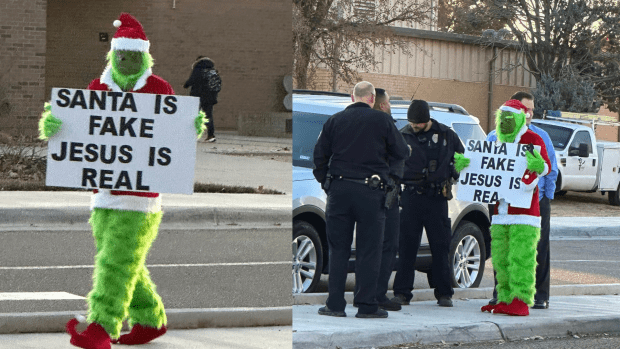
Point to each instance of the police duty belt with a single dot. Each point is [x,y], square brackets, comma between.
[373,182]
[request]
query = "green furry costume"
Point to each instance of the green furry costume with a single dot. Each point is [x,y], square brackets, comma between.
[122,287]
[515,231]
[124,223]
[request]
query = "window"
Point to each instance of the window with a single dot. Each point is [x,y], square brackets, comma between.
[306,130]
[581,137]
[559,135]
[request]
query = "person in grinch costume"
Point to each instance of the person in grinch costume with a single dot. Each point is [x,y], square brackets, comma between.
[515,231]
[124,223]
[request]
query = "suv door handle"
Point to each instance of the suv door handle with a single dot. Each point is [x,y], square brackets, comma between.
[593,162]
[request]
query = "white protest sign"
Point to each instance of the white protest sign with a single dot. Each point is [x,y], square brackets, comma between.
[494,173]
[123,141]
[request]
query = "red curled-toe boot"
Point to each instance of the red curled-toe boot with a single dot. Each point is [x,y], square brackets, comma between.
[141,335]
[517,307]
[94,337]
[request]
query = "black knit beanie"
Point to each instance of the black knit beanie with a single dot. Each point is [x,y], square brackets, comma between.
[418,112]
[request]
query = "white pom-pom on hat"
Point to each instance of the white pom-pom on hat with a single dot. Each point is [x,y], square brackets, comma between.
[117,23]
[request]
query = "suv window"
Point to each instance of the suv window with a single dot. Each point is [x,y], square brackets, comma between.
[468,131]
[559,135]
[581,137]
[306,130]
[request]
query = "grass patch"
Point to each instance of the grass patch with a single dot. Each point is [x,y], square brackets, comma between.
[22,185]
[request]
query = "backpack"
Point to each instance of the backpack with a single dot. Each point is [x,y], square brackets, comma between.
[212,79]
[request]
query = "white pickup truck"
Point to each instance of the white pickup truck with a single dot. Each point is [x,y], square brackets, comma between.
[583,163]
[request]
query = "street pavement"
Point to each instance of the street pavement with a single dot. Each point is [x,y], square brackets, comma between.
[581,308]
[212,338]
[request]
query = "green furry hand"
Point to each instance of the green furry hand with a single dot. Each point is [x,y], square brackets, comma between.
[199,123]
[48,124]
[460,162]
[535,162]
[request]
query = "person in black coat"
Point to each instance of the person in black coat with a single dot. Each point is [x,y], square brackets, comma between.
[357,152]
[205,82]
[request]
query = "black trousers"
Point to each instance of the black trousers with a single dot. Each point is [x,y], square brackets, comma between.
[429,212]
[208,109]
[543,255]
[349,204]
[388,256]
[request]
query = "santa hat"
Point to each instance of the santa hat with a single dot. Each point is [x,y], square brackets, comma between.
[130,35]
[513,106]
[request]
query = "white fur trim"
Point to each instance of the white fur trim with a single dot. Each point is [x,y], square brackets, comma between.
[502,209]
[104,199]
[521,133]
[545,171]
[531,186]
[516,219]
[106,78]
[142,81]
[127,44]
[510,109]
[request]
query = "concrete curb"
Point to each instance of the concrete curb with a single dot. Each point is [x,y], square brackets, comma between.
[482,332]
[172,215]
[471,293]
[584,226]
[177,319]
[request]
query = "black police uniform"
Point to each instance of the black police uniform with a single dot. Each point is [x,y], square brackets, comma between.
[354,145]
[425,206]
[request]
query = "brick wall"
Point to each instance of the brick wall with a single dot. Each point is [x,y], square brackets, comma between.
[249,41]
[22,64]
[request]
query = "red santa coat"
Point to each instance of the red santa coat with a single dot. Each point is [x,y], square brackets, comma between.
[129,200]
[505,214]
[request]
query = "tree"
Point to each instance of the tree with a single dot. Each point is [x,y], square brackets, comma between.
[344,34]
[570,93]
[567,40]
[469,17]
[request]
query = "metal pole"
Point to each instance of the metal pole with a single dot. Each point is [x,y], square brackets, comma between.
[491,82]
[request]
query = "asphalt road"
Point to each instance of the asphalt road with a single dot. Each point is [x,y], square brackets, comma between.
[193,267]
[573,261]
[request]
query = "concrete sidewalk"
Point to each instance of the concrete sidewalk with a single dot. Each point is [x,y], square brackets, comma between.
[425,322]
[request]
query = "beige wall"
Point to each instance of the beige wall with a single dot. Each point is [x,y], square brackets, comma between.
[473,96]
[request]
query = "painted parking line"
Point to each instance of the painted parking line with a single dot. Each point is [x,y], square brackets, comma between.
[35,296]
[51,267]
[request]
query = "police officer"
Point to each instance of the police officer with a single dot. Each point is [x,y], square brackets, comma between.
[392,227]
[357,152]
[427,179]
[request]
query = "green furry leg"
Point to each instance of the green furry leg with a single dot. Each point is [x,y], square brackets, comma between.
[146,306]
[123,240]
[522,259]
[499,255]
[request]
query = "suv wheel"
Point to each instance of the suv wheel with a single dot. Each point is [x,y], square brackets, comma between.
[307,257]
[467,255]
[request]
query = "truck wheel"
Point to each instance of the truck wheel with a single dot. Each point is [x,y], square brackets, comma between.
[307,257]
[614,196]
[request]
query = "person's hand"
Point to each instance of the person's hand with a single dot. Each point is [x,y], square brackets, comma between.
[460,162]
[48,124]
[199,124]
[535,161]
